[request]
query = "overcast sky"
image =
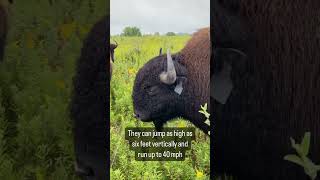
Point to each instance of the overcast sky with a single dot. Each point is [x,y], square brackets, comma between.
[162,16]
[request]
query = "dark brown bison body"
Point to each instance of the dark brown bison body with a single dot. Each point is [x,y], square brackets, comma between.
[277,94]
[3,29]
[167,87]
[89,104]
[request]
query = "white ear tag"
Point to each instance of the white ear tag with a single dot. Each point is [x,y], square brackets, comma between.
[221,85]
[178,89]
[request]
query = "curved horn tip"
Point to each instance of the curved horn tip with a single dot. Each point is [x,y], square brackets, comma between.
[168,51]
[169,76]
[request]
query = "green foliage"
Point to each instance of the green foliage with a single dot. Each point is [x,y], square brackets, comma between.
[170,34]
[131,54]
[117,174]
[204,111]
[301,159]
[131,31]
[44,41]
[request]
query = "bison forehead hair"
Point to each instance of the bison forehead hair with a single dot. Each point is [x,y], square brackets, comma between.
[154,100]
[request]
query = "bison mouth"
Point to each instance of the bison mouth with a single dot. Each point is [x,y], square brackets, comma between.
[142,116]
[157,121]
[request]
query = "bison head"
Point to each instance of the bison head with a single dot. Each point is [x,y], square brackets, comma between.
[157,92]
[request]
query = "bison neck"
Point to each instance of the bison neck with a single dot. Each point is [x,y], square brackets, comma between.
[196,58]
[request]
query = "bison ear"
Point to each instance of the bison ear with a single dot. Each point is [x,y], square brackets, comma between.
[229,55]
[179,87]
[221,84]
[181,77]
[224,60]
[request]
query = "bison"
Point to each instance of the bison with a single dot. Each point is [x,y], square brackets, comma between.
[276,88]
[175,86]
[89,105]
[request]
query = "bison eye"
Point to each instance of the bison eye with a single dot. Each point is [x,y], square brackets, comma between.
[146,87]
[152,90]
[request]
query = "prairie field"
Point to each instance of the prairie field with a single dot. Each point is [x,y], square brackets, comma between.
[131,54]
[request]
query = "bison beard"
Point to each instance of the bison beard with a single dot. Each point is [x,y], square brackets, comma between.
[276,95]
[89,106]
[157,92]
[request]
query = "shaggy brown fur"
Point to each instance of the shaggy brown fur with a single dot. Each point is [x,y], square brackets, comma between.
[195,56]
[89,105]
[278,98]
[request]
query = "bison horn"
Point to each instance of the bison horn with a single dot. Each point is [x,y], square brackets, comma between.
[169,76]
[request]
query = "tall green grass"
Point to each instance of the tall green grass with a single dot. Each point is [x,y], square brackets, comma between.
[44,41]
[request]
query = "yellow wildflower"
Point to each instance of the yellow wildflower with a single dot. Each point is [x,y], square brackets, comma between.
[131,71]
[60,84]
[65,30]
[83,30]
[181,124]
[30,40]
[199,174]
